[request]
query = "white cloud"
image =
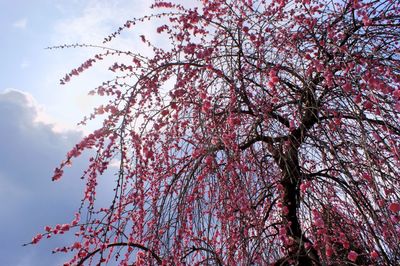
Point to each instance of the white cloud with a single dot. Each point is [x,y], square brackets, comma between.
[21,23]
[29,200]
[24,64]
[40,115]
[29,152]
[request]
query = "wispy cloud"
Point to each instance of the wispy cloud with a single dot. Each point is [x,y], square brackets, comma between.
[90,24]
[21,23]
[96,20]
[24,64]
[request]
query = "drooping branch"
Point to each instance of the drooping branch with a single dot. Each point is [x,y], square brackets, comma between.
[134,245]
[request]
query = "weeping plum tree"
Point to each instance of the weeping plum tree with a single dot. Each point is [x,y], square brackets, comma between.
[266,133]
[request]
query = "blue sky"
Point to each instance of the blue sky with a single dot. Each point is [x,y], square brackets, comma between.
[38,117]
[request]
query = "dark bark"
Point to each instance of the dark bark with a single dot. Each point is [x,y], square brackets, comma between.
[288,161]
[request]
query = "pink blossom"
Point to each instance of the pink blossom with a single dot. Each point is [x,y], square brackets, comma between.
[206,106]
[303,187]
[367,176]
[347,87]
[352,256]
[374,254]
[329,251]
[394,207]
[202,131]
[57,174]
[37,238]
[76,245]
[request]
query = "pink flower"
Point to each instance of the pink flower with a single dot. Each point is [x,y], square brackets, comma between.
[352,256]
[374,254]
[367,176]
[65,227]
[367,21]
[304,186]
[319,222]
[381,203]
[394,207]
[368,105]
[57,174]
[397,106]
[396,94]
[206,106]
[76,245]
[347,87]
[76,219]
[37,238]
[209,161]
[329,251]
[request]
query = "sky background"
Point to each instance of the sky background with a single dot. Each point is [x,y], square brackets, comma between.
[38,116]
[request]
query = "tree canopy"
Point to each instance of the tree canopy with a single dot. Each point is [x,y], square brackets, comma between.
[266,133]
